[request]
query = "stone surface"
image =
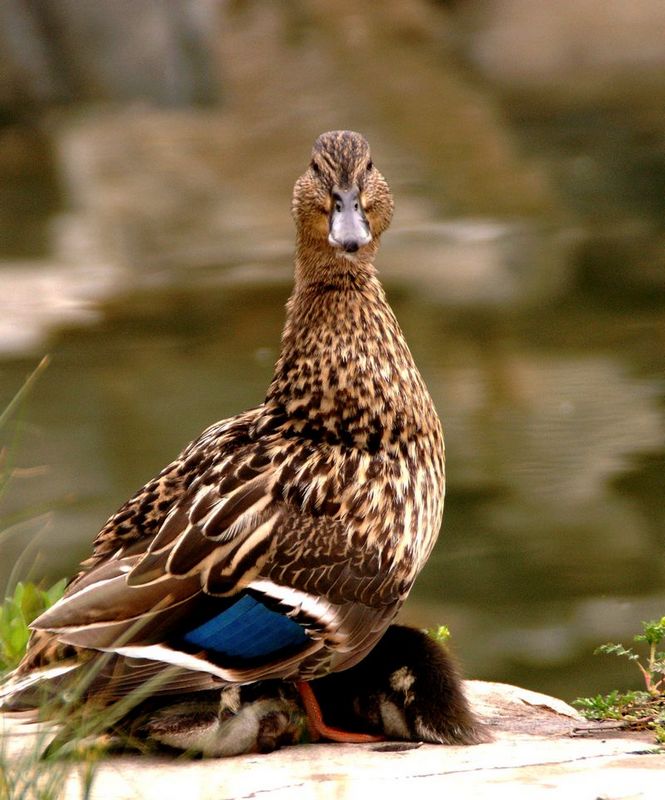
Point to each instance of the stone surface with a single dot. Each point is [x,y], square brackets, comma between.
[535,753]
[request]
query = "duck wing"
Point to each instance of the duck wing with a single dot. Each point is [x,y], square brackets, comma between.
[239,581]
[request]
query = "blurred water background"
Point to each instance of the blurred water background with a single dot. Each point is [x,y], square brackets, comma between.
[147,154]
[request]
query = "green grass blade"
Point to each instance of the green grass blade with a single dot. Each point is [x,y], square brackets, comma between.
[24,391]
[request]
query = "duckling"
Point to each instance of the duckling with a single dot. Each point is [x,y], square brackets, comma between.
[407,688]
[241,718]
[281,543]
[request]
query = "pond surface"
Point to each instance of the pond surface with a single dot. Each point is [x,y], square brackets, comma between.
[555,431]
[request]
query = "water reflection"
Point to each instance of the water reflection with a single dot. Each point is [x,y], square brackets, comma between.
[542,541]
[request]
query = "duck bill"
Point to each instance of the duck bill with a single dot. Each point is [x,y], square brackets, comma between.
[349,229]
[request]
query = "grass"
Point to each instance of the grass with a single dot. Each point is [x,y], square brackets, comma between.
[30,775]
[25,774]
[44,767]
[636,710]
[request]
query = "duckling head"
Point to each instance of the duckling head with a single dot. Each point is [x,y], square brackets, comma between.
[342,204]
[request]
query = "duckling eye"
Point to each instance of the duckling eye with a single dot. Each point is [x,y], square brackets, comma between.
[369,167]
[315,167]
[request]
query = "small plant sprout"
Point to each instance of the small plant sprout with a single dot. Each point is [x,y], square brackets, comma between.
[440,634]
[653,670]
[615,705]
[639,709]
[19,609]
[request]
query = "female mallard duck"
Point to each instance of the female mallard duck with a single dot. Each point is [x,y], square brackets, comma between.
[282,542]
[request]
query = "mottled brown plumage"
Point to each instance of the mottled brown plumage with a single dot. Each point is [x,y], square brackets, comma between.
[321,505]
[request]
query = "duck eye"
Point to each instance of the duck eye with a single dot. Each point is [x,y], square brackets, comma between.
[369,166]
[315,167]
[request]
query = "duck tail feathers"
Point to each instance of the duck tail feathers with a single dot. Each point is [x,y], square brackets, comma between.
[21,692]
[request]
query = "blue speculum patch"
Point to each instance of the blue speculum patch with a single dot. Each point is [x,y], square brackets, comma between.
[247,629]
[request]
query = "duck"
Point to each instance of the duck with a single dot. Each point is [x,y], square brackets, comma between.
[282,542]
[407,689]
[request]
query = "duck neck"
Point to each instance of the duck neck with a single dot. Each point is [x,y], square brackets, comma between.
[345,373]
[316,263]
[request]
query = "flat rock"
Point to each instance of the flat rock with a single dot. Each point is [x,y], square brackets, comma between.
[537,751]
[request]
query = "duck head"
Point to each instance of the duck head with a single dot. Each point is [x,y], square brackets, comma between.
[342,203]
